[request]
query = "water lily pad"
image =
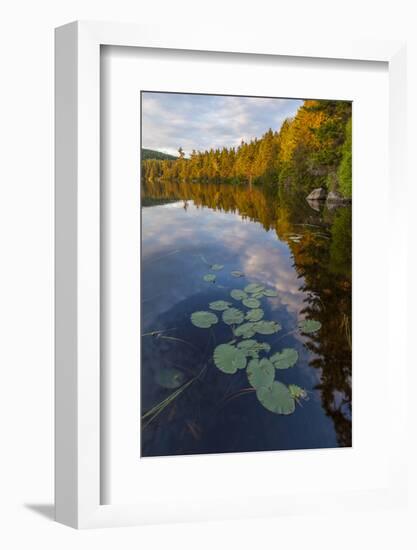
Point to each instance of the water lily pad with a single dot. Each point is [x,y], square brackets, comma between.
[276,398]
[233,316]
[219,305]
[209,278]
[264,346]
[203,319]
[237,274]
[297,392]
[254,314]
[247,330]
[254,287]
[251,302]
[229,359]
[216,267]
[257,295]
[238,294]
[169,378]
[266,327]
[270,293]
[253,347]
[247,344]
[309,326]
[260,373]
[285,359]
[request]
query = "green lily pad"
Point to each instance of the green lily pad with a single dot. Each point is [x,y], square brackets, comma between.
[253,347]
[254,287]
[169,378]
[270,293]
[237,274]
[216,267]
[260,373]
[276,398]
[266,327]
[209,278]
[247,344]
[247,330]
[251,302]
[258,295]
[254,315]
[233,316]
[285,359]
[238,294]
[203,319]
[309,326]
[229,359]
[297,392]
[219,305]
[264,346]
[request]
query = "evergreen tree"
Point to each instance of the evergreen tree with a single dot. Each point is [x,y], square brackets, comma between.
[310,150]
[345,168]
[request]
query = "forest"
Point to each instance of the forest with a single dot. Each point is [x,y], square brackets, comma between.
[312,149]
[155,155]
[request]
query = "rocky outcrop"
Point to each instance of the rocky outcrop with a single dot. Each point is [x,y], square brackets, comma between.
[315,205]
[333,198]
[336,197]
[318,194]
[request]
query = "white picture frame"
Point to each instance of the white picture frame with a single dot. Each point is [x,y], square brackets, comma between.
[78,321]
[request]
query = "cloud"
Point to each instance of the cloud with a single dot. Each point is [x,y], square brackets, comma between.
[203,122]
[179,239]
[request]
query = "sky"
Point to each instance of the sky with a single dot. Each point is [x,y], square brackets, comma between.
[202,122]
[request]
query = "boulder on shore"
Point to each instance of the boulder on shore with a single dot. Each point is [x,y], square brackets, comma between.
[315,205]
[318,194]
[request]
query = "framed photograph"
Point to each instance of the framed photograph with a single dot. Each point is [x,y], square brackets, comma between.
[247,267]
[221,249]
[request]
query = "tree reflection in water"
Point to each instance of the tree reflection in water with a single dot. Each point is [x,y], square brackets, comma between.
[320,242]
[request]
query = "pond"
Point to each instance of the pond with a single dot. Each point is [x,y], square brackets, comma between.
[300,254]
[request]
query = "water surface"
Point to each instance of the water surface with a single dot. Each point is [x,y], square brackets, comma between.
[185,227]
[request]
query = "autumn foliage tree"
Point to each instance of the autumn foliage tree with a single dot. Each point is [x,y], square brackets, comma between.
[310,150]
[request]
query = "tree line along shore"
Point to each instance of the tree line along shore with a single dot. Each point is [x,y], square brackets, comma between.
[311,150]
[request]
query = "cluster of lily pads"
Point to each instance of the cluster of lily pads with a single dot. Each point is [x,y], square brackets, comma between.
[244,350]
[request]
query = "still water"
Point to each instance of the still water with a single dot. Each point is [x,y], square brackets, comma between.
[301,250]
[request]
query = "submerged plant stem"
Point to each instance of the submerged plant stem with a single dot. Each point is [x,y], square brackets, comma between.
[157,409]
[179,340]
[157,332]
[239,393]
[284,335]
